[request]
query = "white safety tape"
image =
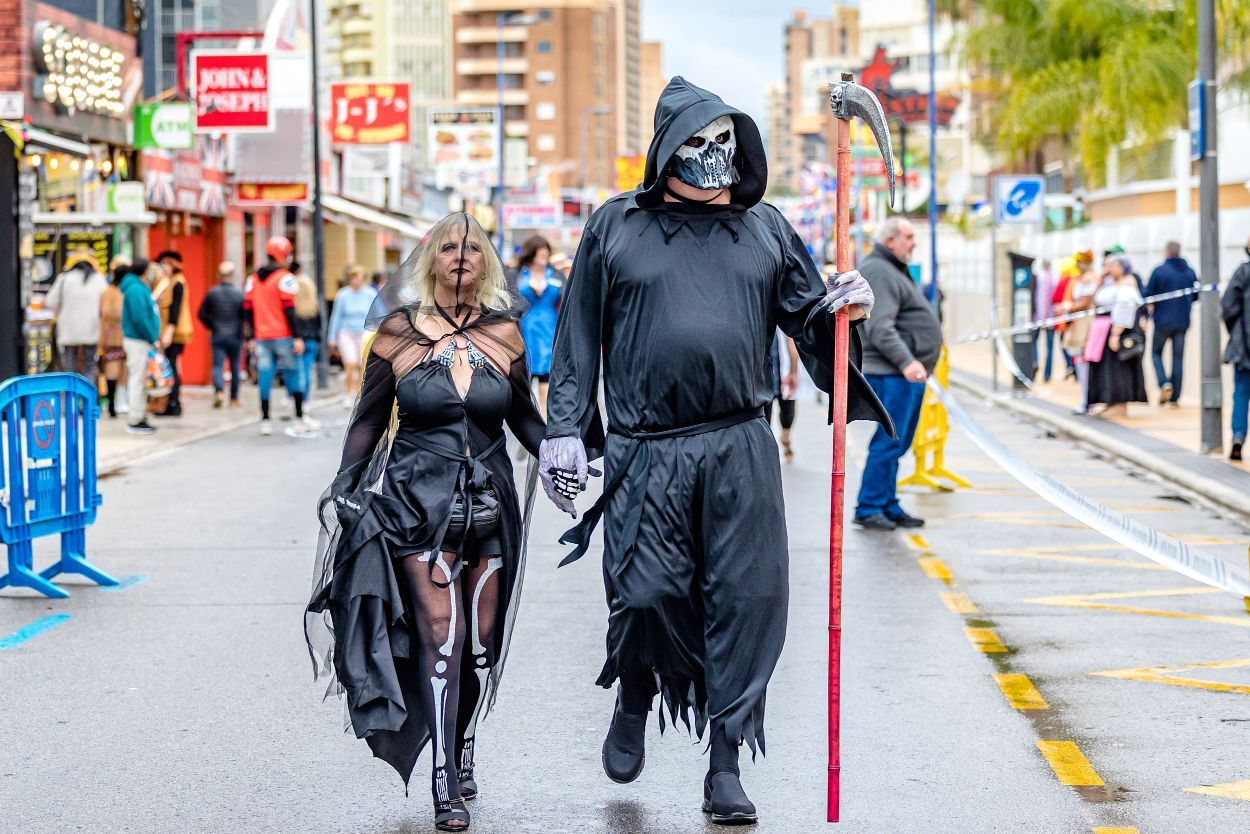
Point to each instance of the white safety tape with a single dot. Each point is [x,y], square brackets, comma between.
[1155,546]
[1008,358]
[1038,324]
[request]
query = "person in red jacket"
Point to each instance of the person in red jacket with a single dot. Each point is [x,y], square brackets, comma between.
[269,314]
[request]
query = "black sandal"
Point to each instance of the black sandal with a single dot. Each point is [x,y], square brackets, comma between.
[446,813]
[468,785]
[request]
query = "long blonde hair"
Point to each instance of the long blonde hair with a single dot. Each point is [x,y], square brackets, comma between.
[492,289]
[306,297]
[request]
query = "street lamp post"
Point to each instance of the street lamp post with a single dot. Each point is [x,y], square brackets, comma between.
[319,239]
[933,193]
[1209,235]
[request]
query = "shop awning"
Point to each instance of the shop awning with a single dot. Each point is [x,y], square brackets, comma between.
[51,142]
[92,218]
[364,214]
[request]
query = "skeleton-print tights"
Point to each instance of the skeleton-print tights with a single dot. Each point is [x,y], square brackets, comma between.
[447,619]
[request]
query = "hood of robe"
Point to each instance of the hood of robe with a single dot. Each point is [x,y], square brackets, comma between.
[682,111]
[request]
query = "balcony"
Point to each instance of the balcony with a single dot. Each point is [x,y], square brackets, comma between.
[491,66]
[357,55]
[491,34]
[357,26]
[516,128]
[489,96]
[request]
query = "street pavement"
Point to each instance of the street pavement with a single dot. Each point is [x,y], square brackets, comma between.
[185,701]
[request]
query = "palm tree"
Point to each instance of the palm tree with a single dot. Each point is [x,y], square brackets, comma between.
[1082,77]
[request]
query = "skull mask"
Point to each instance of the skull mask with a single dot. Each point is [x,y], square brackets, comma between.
[706,160]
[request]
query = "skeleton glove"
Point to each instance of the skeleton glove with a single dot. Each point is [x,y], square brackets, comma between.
[563,469]
[846,289]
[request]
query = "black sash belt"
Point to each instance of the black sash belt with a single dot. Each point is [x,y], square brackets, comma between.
[471,477]
[638,459]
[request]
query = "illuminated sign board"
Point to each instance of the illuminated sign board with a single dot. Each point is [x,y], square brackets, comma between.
[76,73]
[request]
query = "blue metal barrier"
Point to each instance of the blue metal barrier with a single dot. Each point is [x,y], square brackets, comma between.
[48,476]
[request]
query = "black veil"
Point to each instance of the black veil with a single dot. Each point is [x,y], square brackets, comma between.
[396,335]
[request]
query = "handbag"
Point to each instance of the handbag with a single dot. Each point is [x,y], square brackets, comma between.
[485,514]
[1132,344]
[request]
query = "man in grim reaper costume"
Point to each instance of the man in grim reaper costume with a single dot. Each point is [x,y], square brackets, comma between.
[680,285]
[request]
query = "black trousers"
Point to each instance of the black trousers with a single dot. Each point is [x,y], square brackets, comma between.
[786,411]
[173,353]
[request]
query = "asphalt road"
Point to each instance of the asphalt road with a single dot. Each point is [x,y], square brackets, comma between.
[185,701]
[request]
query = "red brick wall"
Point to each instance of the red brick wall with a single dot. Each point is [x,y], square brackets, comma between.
[15,66]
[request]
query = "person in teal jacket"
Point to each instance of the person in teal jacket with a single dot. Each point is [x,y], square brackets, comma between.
[141,330]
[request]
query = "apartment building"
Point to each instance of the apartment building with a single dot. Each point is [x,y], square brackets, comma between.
[652,83]
[559,79]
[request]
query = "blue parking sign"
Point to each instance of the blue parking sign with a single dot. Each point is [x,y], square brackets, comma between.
[1019,199]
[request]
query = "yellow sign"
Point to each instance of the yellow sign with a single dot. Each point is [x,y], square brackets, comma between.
[630,171]
[931,438]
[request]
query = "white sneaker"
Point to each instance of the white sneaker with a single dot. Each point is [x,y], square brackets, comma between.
[266,428]
[308,424]
[349,402]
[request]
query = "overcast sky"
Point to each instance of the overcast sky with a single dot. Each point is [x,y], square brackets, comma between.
[731,47]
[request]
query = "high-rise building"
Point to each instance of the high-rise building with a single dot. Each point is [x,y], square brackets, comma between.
[560,78]
[629,73]
[776,129]
[166,18]
[652,83]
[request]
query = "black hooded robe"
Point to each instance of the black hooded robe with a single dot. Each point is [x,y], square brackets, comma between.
[683,302]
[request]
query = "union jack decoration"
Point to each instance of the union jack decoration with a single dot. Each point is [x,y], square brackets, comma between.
[158,179]
[212,176]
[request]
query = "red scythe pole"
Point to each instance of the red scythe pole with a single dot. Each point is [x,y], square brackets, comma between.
[841,341]
[848,100]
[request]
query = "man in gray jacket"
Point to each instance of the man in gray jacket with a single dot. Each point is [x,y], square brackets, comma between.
[902,342]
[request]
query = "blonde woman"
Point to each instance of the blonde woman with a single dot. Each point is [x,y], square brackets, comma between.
[1079,296]
[112,338]
[423,545]
[347,326]
[308,328]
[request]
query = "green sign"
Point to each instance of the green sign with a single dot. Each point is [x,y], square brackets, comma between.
[166,125]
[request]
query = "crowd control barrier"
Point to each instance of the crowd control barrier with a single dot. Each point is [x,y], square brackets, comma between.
[930,440]
[48,477]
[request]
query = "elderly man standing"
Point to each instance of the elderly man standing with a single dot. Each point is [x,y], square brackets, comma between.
[902,342]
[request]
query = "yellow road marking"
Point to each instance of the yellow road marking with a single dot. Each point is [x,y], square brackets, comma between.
[1085,601]
[958,601]
[1229,790]
[1069,763]
[935,568]
[917,541]
[1168,675]
[1020,692]
[1046,555]
[1102,829]
[985,640]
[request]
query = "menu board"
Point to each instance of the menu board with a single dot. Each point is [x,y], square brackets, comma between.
[463,145]
[52,246]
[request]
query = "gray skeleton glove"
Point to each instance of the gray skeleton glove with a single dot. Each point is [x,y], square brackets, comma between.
[846,289]
[563,468]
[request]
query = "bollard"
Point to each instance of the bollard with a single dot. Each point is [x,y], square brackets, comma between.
[931,434]
[48,480]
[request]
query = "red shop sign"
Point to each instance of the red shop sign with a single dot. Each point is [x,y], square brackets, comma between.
[231,92]
[370,113]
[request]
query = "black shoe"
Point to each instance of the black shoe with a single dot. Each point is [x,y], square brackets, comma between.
[1235,452]
[468,785]
[905,520]
[624,749]
[726,801]
[141,428]
[876,521]
[171,411]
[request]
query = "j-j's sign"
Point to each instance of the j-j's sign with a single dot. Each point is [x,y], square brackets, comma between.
[231,92]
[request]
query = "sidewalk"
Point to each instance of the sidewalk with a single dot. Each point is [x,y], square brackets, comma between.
[1160,440]
[199,420]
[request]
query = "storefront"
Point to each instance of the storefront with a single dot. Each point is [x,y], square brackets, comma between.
[67,166]
[187,192]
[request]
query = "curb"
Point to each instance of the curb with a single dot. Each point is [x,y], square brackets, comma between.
[1223,496]
[119,462]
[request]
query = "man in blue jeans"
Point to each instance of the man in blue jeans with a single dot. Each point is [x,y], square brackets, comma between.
[1235,310]
[1171,320]
[902,342]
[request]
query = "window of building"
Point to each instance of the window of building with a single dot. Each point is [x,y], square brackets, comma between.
[545,77]
[543,47]
[545,142]
[545,111]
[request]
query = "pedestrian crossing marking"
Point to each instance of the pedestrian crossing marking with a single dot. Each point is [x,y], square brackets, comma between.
[1020,692]
[1091,601]
[1229,790]
[1102,829]
[985,640]
[934,568]
[1169,675]
[1069,763]
[917,541]
[958,601]
[1055,554]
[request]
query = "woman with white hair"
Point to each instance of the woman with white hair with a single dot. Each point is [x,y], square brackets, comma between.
[75,298]
[423,546]
[1117,343]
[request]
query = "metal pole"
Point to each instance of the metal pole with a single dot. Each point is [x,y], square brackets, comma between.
[1209,224]
[933,193]
[500,19]
[319,240]
[859,196]
[902,156]
[994,299]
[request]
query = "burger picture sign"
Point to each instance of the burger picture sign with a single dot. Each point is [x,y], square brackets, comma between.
[231,92]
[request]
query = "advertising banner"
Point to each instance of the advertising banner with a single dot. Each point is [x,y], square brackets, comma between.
[165,125]
[521,216]
[370,113]
[231,92]
[463,145]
